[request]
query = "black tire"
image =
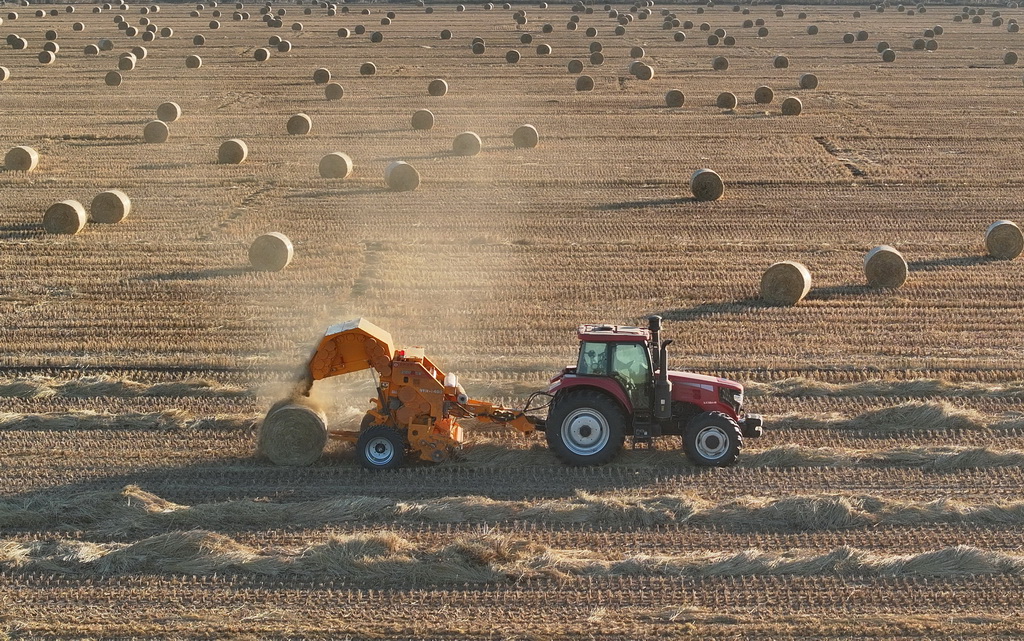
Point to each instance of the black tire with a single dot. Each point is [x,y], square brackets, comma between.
[713,439]
[380,448]
[366,422]
[585,427]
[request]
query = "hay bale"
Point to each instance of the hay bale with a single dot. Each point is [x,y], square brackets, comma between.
[643,72]
[334,91]
[478,48]
[785,283]
[544,50]
[46,57]
[156,131]
[763,95]
[199,40]
[335,165]
[126,62]
[52,47]
[679,36]
[111,206]
[262,54]
[112,79]
[321,76]
[596,59]
[808,81]
[525,39]
[584,83]
[525,137]
[780,62]
[720,63]
[849,38]
[367,69]
[271,252]
[376,37]
[931,45]
[862,36]
[674,98]
[466,143]
[5,74]
[1010,58]
[437,87]
[919,44]
[299,125]
[401,176]
[446,34]
[762,32]
[726,100]
[193,62]
[706,185]
[888,55]
[885,267]
[232,152]
[1004,240]
[792,106]
[65,217]
[140,53]
[423,120]
[284,46]
[21,159]
[91,50]
[575,66]
[881,46]
[513,56]
[293,435]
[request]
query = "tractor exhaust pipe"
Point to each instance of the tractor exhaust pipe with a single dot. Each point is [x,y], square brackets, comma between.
[663,386]
[654,326]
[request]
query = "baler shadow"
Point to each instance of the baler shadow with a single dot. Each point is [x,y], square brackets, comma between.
[941,263]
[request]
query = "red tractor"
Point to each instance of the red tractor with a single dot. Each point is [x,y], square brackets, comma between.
[621,386]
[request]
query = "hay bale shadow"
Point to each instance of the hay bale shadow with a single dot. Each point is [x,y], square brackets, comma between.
[204,274]
[20,231]
[639,204]
[942,263]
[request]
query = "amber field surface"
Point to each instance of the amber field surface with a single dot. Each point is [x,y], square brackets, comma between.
[137,359]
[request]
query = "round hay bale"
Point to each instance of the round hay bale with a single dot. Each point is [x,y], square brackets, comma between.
[1013,27]
[193,62]
[299,125]
[812,30]
[140,53]
[5,74]
[920,44]
[938,30]
[763,95]
[423,120]
[525,39]
[525,137]
[931,45]
[376,37]
[1010,58]
[296,26]
[881,46]
[126,62]
[720,63]
[112,79]
[437,87]
[214,24]
[105,44]
[199,40]
[674,98]
[644,72]
[780,62]
[729,41]
[620,30]
[888,55]
[401,176]
[21,159]
[232,152]
[785,283]
[584,83]
[92,50]
[596,59]
[726,100]
[512,56]
[334,91]
[156,131]
[679,36]
[19,44]
[110,207]
[808,81]
[478,48]
[52,47]
[762,32]
[637,52]
[271,252]
[792,106]
[446,34]
[466,143]
[367,69]
[713,40]
[706,185]
[885,267]
[322,76]
[46,57]
[575,66]
[284,46]
[65,217]
[1004,240]
[343,33]
[544,50]
[262,54]
[293,435]
[50,35]
[862,36]
[335,165]
[591,32]
[849,38]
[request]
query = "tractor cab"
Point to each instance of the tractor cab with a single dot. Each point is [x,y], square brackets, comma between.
[622,353]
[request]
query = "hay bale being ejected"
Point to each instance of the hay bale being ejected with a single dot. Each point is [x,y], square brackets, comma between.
[885,267]
[271,252]
[335,165]
[21,159]
[293,434]
[525,137]
[401,176]
[1004,240]
[706,185]
[466,144]
[65,217]
[110,207]
[785,283]
[168,111]
[232,152]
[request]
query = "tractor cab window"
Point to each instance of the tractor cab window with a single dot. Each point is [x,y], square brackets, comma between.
[593,359]
[631,364]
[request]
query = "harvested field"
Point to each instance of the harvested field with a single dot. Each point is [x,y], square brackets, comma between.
[138,360]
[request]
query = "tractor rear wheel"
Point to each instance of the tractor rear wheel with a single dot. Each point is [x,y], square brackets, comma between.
[585,427]
[712,439]
[380,448]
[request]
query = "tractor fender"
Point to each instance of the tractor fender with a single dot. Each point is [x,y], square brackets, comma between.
[604,384]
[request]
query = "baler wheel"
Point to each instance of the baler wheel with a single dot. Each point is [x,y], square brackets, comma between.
[380,448]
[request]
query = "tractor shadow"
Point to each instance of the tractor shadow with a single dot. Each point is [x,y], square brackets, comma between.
[21,231]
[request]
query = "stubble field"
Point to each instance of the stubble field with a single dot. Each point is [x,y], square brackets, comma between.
[137,359]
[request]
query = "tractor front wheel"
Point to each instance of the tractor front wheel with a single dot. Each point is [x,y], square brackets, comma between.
[713,439]
[380,448]
[585,427]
